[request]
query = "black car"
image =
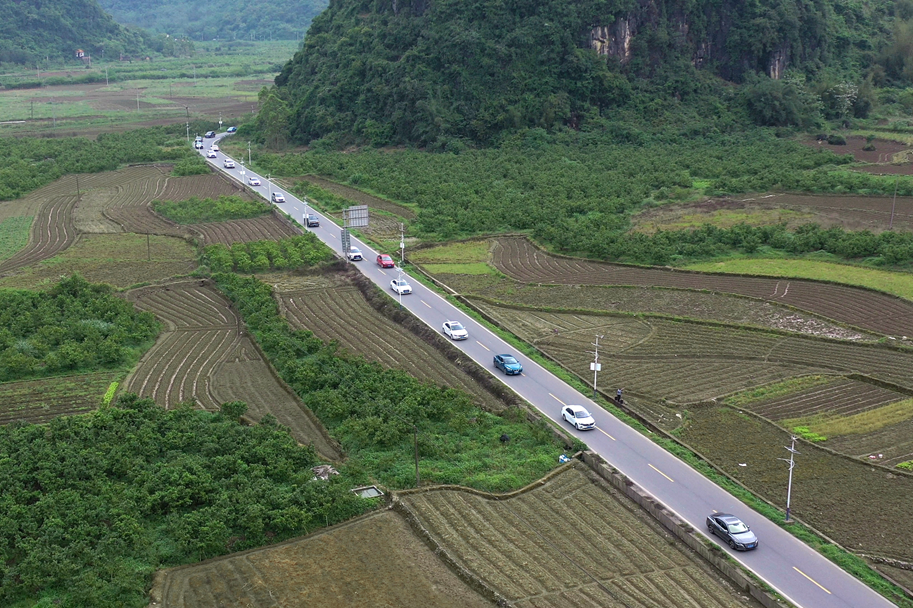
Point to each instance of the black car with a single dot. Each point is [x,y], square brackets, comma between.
[210,134]
[731,529]
[313,221]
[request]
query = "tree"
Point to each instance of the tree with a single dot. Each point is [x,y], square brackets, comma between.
[233,409]
[273,119]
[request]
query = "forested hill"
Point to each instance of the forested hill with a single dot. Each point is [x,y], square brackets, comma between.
[32,30]
[425,71]
[220,19]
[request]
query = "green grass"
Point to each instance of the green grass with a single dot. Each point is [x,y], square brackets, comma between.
[869,421]
[14,235]
[196,211]
[455,253]
[772,391]
[475,269]
[897,283]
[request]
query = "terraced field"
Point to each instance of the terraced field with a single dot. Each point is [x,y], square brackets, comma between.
[37,401]
[868,310]
[205,355]
[265,227]
[52,231]
[526,548]
[335,310]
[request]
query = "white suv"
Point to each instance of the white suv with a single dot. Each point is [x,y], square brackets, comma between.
[278,198]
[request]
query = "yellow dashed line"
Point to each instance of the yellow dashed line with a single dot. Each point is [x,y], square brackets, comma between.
[557,399]
[661,473]
[483,346]
[812,580]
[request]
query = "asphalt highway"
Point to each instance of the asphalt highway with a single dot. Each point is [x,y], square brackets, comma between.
[800,574]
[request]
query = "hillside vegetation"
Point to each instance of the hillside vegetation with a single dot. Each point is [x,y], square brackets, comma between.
[440,73]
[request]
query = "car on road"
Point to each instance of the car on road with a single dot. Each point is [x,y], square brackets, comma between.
[228,163]
[385,261]
[198,144]
[578,416]
[198,138]
[313,221]
[400,286]
[211,154]
[210,134]
[214,147]
[732,530]
[278,198]
[231,129]
[508,364]
[253,180]
[455,330]
[354,254]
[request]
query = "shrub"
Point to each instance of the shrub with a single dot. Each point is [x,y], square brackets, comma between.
[836,140]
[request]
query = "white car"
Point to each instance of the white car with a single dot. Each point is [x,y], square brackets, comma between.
[253,180]
[228,163]
[215,147]
[578,416]
[198,144]
[400,286]
[278,198]
[455,330]
[354,254]
[211,154]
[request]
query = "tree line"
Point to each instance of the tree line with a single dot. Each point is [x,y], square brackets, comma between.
[260,256]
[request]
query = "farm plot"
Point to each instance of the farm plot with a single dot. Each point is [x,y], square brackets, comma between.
[372,561]
[52,231]
[840,396]
[37,401]
[110,189]
[265,227]
[361,198]
[205,355]
[867,310]
[121,260]
[341,313]
[836,495]
[528,550]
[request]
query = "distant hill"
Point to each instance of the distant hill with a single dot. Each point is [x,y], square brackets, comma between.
[220,19]
[426,71]
[31,30]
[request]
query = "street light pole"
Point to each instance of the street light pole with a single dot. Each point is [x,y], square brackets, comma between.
[242,172]
[305,217]
[402,246]
[596,366]
[399,285]
[792,463]
[248,153]
[270,187]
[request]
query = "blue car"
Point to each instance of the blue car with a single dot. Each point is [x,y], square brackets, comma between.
[508,365]
[231,129]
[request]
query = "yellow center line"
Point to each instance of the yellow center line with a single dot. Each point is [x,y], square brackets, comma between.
[425,303]
[557,399]
[812,580]
[661,473]
[483,346]
[604,433]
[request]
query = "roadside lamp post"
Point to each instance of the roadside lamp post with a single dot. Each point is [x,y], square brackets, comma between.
[270,186]
[248,153]
[305,217]
[596,366]
[242,172]
[792,463]
[399,286]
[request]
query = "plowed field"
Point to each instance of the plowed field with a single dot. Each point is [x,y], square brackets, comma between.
[864,309]
[339,312]
[265,227]
[205,355]
[527,548]
[37,401]
[52,231]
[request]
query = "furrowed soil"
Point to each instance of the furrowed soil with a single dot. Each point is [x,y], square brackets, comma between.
[334,309]
[206,356]
[526,548]
[37,401]
[372,561]
[836,495]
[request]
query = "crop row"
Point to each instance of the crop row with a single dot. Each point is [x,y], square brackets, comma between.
[265,227]
[841,396]
[526,549]
[868,310]
[141,220]
[41,400]
[342,314]
[187,305]
[235,579]
[136,186]
[890,445]
[203,186]
[52,231]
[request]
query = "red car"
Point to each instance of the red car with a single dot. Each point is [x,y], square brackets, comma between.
[385,261]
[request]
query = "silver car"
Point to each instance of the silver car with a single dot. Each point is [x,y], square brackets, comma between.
[455,330]
[731,529]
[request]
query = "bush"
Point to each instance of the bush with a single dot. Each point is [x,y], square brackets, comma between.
[836,140]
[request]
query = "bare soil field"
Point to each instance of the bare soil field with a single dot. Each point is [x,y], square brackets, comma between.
[521,547]
[885,151]
[372,561]
[206,356]
[52,231]
[867,310]
[723,308]
[121,260]
[265,227]
[836,495]
[37,401]
[526,548]
[335,310]
[872,213]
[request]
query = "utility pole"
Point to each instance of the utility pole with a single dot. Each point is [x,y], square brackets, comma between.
[894,204]
[402,250]
[137,100]
[415,441]
[248,153]
[106,75]
[792,463]
[188,131]
[305,216]
[596,366]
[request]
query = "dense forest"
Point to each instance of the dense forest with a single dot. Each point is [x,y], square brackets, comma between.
[31,32]
[222,20]
[440,73]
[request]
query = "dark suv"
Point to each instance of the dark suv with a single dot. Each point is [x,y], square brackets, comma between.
[210,134]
